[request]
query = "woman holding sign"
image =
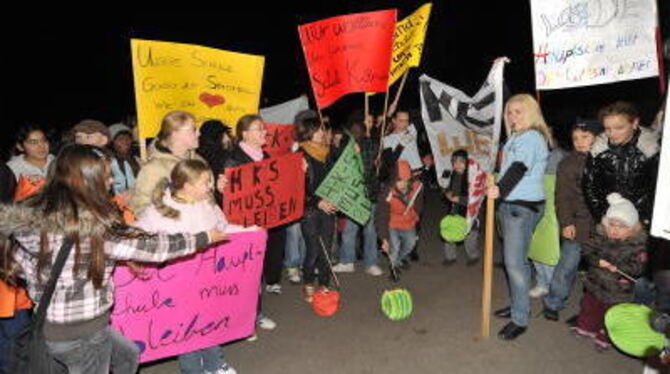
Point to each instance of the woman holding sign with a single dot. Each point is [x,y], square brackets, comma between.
[251,132]
[73,214]
[521,191]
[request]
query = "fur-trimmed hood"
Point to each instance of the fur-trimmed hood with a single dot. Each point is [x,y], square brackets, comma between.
[646,142]
[20,218]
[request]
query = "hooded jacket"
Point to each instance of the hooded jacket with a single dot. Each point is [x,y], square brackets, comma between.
[629,169]
[160,165]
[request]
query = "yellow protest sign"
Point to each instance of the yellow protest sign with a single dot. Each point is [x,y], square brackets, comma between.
[207,82]
[408,39]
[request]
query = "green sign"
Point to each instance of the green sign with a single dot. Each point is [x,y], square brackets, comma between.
[345,187]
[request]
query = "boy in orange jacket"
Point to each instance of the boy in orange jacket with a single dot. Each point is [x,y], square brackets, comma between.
[398,212]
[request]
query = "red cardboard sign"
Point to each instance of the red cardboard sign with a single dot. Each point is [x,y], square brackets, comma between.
[278,139]
[349,53]
[269,193]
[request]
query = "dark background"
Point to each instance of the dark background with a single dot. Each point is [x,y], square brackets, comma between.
[59,70]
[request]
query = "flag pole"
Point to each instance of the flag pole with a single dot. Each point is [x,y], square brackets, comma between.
[488,263]
[383,132]
[143,149]
[366,97]
[394,105]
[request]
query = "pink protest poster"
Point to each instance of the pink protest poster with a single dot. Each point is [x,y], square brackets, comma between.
[193,303]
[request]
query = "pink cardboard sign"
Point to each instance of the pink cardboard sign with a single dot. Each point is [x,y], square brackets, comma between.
[193,303]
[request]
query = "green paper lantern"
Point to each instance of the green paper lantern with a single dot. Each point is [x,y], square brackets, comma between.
[454,228]
[396,304]
[629,327]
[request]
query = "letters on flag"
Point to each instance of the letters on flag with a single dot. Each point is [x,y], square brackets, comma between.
[456,121]
[348,54]
[408,40]
[207,82]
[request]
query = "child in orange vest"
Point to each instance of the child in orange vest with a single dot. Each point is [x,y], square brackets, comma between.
[398,211]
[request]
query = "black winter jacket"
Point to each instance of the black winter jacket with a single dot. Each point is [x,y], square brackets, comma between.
[629,169]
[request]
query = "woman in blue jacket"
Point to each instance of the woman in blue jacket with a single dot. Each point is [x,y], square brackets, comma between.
[520,191]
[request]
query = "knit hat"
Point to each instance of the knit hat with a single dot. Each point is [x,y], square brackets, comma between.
[91,126]
[117,128]
[404,170]
[590,125]
[621,210]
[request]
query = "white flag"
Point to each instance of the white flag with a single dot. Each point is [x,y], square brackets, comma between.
[284,113]
[454,121]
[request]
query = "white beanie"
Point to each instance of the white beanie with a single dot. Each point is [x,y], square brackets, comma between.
[621,210]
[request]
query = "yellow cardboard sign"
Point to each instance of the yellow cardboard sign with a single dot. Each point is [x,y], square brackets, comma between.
[207,82]
[408,40]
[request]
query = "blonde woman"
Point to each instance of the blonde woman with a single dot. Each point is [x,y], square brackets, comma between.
[521,193]
[176,141]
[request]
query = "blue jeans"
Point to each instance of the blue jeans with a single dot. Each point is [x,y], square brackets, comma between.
[202,361]
[9,328]
[543,274]
[294,255]
[401,242]
[517,223]
[349,236]
[96,353]
[564,275]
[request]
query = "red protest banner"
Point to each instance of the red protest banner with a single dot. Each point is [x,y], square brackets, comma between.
[349,53]
[278,139]
[269,193]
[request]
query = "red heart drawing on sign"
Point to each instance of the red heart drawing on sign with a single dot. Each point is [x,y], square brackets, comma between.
[212,100]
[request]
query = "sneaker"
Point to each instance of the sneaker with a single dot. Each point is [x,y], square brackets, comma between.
[538,292]
[374,270]
[252,338]
[225,369]
[308,291]
[550,314]
[601,345]
[273,288]
[293,275]
[343,268]
[266,323]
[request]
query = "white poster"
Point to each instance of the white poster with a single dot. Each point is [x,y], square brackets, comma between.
[454,121]
[660,223]
[587,42]
[284,113]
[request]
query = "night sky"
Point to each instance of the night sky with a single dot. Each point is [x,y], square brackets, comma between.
[59,70]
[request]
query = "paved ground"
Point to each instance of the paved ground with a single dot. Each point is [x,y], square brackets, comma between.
[440,337]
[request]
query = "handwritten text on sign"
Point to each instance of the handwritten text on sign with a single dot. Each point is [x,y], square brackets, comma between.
[278,139]
[269,193]
[348,54]
[408,40]
[345,187]
[582,43]
[207,82]
[190,304]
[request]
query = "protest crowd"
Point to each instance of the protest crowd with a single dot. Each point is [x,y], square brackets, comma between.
[325,200]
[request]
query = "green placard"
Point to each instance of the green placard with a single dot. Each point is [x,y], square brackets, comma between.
[345,187]
[545,247]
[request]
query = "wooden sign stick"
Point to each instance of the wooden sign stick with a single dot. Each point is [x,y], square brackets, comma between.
[488,263]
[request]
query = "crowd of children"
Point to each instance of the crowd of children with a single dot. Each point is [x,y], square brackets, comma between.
[604,197]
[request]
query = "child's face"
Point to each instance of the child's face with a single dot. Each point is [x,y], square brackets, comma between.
[201,189]
[582,140]
[459,165]
[618,230]
[401,184]
[619,128]
[97,139]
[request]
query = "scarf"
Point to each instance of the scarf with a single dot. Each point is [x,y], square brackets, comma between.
[256,154]
[317,151]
